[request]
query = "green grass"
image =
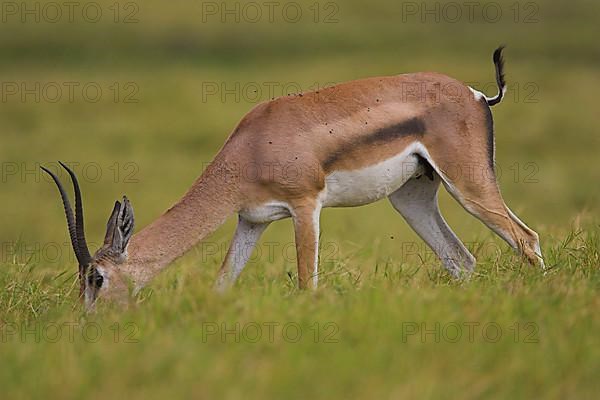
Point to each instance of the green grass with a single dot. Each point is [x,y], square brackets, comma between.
[379,282]
[390,331]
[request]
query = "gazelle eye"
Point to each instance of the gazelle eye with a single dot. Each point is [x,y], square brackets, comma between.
[99,280]
[95,279]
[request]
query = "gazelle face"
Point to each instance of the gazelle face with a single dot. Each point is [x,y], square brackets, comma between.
[100,275]
[103,279]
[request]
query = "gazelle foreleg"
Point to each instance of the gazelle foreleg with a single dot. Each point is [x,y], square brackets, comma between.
[416,200]
[243,243]
[306,228]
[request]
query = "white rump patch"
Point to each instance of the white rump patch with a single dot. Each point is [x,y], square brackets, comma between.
[478,95]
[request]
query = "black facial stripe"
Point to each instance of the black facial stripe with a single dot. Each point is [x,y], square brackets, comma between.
[413,126]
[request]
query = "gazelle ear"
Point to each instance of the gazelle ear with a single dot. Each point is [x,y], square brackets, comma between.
[110,225]
[119,229]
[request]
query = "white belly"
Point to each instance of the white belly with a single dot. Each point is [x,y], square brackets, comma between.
[350,188]
[270,211]
[367,185]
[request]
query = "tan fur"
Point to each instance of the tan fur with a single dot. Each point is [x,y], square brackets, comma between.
[300,133]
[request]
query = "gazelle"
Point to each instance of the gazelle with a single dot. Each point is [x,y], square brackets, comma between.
[346,145]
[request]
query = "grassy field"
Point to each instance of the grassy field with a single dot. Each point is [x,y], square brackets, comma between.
[141,96]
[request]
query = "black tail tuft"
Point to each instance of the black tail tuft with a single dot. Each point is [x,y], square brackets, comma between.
[500,80]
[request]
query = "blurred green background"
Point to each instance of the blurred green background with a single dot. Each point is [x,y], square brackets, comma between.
[192,83]
[140,97]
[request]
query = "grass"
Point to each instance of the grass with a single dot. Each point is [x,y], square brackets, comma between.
[394,331]
[386,316]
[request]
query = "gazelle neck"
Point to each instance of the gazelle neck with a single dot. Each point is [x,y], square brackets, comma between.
[203,209]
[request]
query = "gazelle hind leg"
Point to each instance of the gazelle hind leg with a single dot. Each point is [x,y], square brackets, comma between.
[487,205]
[535,240]
[417,202]
[485,202]
[478,192]
[243,243]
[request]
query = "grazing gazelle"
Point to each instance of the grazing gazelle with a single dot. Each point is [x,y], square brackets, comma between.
[347,145]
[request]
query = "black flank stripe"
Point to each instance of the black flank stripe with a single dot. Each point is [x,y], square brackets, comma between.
[413,126]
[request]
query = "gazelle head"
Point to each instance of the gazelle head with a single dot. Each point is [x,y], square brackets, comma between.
[100,275]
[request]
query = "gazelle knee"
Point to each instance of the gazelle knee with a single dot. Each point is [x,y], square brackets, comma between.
[460,266]
[469,262]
